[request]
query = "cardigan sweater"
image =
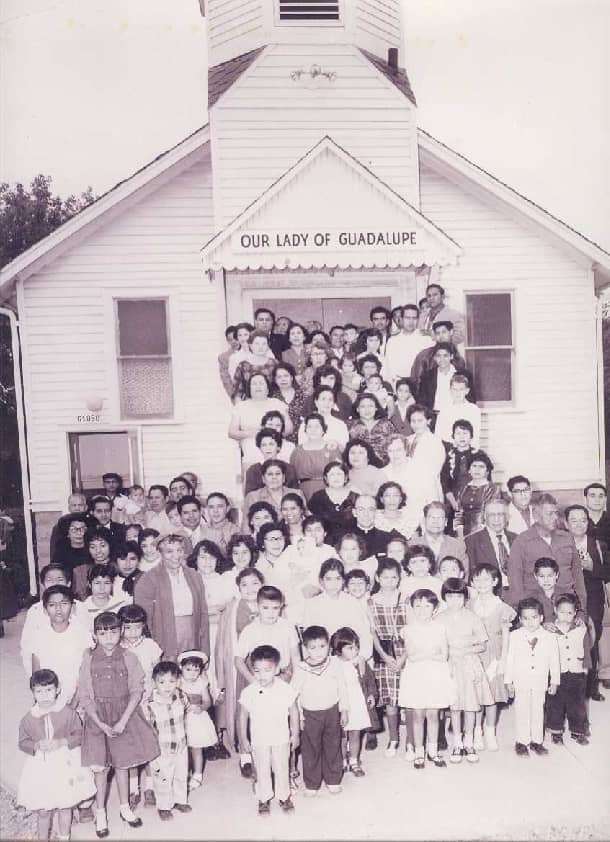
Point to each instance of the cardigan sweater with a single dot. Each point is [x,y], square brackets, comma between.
[66,726]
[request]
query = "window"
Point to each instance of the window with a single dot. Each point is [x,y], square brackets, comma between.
[294,11]
[144,361]
[92,454]
[489,345]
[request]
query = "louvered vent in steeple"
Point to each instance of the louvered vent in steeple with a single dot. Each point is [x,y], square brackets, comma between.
[295,11]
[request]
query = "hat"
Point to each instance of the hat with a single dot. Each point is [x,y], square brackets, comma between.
[193,653]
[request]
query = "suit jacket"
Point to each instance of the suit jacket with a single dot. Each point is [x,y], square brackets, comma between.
[481,550]
[450,546]
[532,668]
[528,547]
[153,592]
[427,386]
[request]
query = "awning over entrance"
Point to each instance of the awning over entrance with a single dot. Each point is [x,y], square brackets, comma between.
[329,211]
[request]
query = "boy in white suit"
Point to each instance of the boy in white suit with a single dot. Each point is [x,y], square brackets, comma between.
[532,670]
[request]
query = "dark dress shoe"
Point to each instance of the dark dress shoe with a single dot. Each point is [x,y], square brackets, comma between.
[183,808]
[538,749]
[606,683]
[557,739]
[264,808]
[580,739]
[246,770]
[597,697]
[137,822]
[521,750]
[165,815]
[371,742]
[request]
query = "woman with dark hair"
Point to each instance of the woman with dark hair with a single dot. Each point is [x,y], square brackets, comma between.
[296,355]
[426,456]
[269,443]
[242,552]
[371,425]
[260,359]
[100,549]
[247,415]
[365,476]
[319,357]
[334,503]
[328,375]
[292,511]
[405,391]
[336,430]
[309,458]
[393,512]
[286,389]
[70,548]
[478,491]
[259,514]
[272,540]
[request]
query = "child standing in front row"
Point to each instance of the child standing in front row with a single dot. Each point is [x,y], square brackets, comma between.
[497,617]
[135,637]
[116,734]
[467,640]
[425,685]
[322,695]
[574,658]
[270,706]
[166,709]
[200,731]
[52,778]
[532,670]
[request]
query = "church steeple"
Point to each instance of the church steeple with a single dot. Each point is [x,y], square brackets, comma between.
[236,27]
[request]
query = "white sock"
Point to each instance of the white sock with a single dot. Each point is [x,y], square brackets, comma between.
[126,811]
[245,758]
[101,820]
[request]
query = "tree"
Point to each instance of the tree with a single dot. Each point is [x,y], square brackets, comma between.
[27,216]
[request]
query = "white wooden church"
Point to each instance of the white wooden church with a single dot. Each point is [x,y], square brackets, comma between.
[310,189]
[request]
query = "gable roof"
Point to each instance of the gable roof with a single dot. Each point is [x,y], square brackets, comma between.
[380,204]
[397,76]
[143,181]
[224,75]
[461,170]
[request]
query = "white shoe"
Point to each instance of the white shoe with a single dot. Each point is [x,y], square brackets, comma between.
[335,789]
[490,739]
[479,742]
[310,793]
[410,753]
[195,782]
[392,749]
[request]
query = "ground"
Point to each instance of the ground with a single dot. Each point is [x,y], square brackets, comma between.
[562,796]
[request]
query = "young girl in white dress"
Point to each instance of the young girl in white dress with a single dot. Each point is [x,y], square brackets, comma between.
[419,567]
[345,644]
[425,683]
[200,731]
[52,778]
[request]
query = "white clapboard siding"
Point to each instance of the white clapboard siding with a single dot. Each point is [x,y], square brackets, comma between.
[267,122]
[151,249]
[551,432]
[377,24]
[234,27]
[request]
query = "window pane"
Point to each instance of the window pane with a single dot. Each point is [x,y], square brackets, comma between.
[142,328]
[489,319]
[146,388]
[492,372]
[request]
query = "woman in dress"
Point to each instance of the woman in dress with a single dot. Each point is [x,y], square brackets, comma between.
[426,456]
[260,358]
[328,375]
[309,458]
[296,355]
[405,391]
[319,357]
[371,425]
[364,475]
[269,443]
[248,414]
[292,515]
[334,503]
[394,513]
[336,430]
[286,389]
[477,491]
[241,553]
[242,352]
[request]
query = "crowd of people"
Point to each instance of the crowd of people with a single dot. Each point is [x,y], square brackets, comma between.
[371,578]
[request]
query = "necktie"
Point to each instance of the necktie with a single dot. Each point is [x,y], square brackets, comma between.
[502,555]
[532,642]
[526,516]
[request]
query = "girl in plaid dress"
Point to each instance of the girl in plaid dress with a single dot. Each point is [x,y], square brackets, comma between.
[389,616]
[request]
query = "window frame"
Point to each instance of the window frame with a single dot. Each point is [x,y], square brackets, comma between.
[512,401]
[172,333]
[318,23]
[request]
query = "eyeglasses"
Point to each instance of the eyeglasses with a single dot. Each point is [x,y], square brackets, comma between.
[521,490]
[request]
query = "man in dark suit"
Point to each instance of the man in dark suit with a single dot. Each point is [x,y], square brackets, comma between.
[264,319]
[435,382]
[492,543]
[375,540]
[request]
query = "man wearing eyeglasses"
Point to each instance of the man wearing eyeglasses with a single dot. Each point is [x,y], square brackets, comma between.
[520,509]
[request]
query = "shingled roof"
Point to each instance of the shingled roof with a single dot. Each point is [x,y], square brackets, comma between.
[221,77]
[397,76]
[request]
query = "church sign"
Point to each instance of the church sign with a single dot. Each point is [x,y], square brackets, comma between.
[249,242]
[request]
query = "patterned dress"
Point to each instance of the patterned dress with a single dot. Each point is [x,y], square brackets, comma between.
[377,436]
[471,504]
[496,616]
[389,620]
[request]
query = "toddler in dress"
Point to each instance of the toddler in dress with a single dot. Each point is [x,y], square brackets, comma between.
[200,731]
[361,691]
[52,778]
[425,684]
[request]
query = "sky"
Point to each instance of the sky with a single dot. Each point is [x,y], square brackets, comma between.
[91,90]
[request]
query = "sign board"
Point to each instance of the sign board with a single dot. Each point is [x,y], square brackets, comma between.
[89,418]
[288,240]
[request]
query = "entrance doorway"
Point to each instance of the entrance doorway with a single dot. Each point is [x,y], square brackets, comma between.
[94,454]
[326,311]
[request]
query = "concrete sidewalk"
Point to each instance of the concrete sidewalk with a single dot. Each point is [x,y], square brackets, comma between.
[563,796]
